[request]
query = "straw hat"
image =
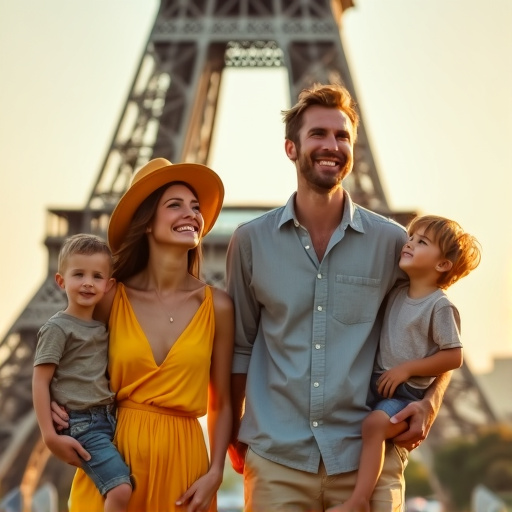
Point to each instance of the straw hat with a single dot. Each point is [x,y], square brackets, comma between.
[156,173]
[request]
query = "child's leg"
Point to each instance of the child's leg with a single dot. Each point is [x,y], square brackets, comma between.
[94,429]
[376,429]
[116,500]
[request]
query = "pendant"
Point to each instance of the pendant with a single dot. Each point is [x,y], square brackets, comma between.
[171,319]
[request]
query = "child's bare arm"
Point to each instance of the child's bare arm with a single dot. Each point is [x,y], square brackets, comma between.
[431,366]
[64,447]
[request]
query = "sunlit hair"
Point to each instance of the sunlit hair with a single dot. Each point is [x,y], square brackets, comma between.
[133,255]
[329,96]
[461,248]
[82,243]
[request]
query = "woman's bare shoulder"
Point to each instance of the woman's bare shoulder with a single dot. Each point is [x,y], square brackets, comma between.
[104,306]
[221,299]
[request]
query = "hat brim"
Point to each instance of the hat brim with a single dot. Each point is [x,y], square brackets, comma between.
[205,182]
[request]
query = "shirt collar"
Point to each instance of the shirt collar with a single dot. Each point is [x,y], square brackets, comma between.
[288,214]
[351,214]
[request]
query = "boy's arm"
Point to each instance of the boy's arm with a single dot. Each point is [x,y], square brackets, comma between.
[65,448]
[431,366]
[421,414]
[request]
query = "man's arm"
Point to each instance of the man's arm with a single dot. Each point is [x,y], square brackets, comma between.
[236,449]
[421,414]
[247,315]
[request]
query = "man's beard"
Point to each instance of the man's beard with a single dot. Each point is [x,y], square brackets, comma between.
[323,182]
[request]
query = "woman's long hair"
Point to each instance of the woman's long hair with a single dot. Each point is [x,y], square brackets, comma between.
[133,255]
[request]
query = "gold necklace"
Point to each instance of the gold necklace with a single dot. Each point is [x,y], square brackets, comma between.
[164,309]
[171,319]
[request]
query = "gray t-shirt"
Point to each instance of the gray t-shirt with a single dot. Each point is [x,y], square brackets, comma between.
[80,350]
[416,328]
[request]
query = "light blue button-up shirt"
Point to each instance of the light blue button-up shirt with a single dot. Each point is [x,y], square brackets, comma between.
[307,332]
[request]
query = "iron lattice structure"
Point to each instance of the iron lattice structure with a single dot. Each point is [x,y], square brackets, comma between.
[170,112]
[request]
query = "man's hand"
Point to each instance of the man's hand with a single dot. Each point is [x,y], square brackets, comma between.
[68,449]
[236,452]
[420,415]
[236,449]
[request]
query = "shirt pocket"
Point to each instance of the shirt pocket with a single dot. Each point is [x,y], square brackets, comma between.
[356,299]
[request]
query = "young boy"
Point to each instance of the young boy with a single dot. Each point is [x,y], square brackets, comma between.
[70,367]
[420,338]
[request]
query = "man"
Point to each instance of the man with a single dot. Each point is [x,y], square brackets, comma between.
[308,280]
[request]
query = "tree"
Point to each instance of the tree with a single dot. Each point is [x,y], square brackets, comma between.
[485,458]
[416,479]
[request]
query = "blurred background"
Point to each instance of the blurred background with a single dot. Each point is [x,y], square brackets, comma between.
[433,81]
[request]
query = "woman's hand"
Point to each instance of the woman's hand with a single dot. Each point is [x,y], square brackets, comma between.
[200,494]
[59,416]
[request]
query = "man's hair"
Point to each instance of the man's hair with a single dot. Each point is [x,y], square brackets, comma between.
[461,248]
[82,243]
[329,96]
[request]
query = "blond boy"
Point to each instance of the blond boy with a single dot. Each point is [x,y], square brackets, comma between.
[70,368]
[420,338]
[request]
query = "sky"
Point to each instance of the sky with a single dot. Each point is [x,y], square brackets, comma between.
[433,82]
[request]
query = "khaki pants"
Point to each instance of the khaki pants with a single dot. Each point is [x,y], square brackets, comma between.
[270,487]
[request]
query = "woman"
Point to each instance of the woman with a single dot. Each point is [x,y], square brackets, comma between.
[171,340]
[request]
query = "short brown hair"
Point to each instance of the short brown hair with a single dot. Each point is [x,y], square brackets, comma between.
[82,243]
[329,96]
[461,248]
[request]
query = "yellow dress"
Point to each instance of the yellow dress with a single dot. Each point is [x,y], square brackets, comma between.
[158,432]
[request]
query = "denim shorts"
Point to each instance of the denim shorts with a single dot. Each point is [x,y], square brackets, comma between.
[94,429]
[404,395]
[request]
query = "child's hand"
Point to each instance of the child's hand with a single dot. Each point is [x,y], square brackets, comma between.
[390,380]
[68,449]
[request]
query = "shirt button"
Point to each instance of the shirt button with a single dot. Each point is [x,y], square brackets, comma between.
[316,384]
[319,276]
[319,308]
[306,247]
[315,423]
[317,346]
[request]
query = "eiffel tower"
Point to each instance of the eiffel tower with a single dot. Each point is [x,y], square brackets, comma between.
[170,112]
